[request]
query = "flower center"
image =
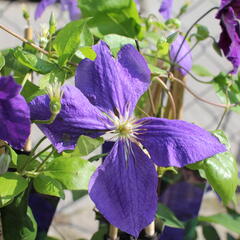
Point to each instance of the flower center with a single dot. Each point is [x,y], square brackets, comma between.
[124,129]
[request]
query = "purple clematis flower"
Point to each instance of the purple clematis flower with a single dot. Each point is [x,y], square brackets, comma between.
[184,56]
[229,42]
[14,113]
[124,187]
[70,5]
[166,9]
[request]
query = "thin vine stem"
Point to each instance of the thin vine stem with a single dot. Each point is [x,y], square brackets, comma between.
[45,160]
[23,39]
[179,66]
[198,97]
[41,152]
[225,110]
[169,95]
[190,29]
[151,101]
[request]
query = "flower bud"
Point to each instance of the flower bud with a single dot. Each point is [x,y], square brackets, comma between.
[26,14]
[173,23]
[4,163]
[52,24]
[55,94]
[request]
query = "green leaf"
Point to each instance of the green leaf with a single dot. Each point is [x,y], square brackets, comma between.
[74,35]
[168,217]
[33,62]
[77,194]
[12,66]
[49,186]
[210,233]
[86,145]
[217,48]
[72,171]
[11,184]
[2,61]
[228,90]
[157,71]
[122,20]
[101,233]
[92,7]
[201,71]
[190,232]
[86,52]
[17,220]
[116,42]
[220,170]
[97,157]
[172,37]
[30,91]
[229,221]
[202,32]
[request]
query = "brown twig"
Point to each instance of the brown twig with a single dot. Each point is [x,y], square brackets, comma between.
[169,94]
[23,39]
[198,97]
[30,43]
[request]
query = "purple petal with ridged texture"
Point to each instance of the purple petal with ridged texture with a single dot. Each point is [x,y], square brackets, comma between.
[42,6]
[177,143]
[8,87]
[124,188]
[113,84]
[14,114]
[184,58]
[166,9]
[229,40]
[77,116]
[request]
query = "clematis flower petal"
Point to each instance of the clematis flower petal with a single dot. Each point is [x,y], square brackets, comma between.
[166,9]
[124,188]
[113,84]
[177,143]
[8,88]
[72,7]
[184,58]
[230,37]
[235,5]
[42,6]
[14,114]
[77,116]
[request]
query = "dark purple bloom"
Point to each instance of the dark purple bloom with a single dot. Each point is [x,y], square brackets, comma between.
[166,9]
[229,42]
[107,90]
[70,5]
[14,113]
[184,57]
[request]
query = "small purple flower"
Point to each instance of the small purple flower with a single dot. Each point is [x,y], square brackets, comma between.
[229,42]
[184,57]
[70,5]
[166,9]
[124,187]
[14,113]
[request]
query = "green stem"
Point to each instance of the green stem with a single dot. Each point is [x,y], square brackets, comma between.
[45,160]
[44,150]
[190,29]
[31,154]
[177,65]
[49,121]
